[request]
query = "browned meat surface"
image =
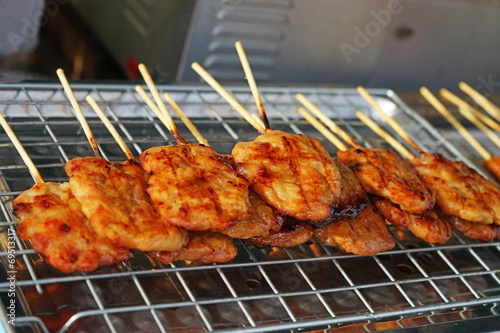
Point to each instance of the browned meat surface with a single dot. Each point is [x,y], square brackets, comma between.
[204,246]
[365,234]
[353,198]
[194,188]
[427,226]
[292,233]
[52,220]
[292,173]
[385,174]
[261,222]
[460,191]
[114,199]
[481,231]
[494,166]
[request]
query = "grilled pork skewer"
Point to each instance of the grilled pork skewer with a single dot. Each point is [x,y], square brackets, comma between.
[460,191]
[263,218]
[190,185]
[359,229]
[292,173]
[453,177]
[484,232]
[51,218]
[374,172]
[206,247]
[381,172]
[114,199]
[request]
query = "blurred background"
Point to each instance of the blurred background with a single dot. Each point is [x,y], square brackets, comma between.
[400,45]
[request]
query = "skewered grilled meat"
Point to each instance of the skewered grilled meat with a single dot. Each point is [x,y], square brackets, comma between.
[193,187]
[261,222]
[291,233]
[292,173]
[204,246]
[460,191]
[427,226]
[114,199]
[365,234]
[52,220]
[385,174]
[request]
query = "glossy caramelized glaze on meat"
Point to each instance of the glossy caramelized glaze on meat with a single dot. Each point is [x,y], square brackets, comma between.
[385,174]
[460,191]
[291,233]
[472,230]
[114,199]
[292,173]
[204,246]
[261,222]
[52,220]
[428,226]
[193,187]
[365,234]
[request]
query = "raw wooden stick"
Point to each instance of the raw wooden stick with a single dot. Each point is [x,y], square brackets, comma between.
[322,129]
[252,83]
[24,155]
[78,112]
[327,121]
[384,135]
[227,96]
[455,123]
[445,93]
[481,100]
[110,127]
[486,130]
[178,138]
[362,91]
[159,101]
[185,119]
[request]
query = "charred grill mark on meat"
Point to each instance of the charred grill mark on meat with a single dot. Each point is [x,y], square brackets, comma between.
[365,234]
[386,174]
[298,178]
[192,187]
[52,220]
[427,226]
[114,199]
[460,191]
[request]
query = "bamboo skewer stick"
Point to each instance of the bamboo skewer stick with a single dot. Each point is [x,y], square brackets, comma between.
[384,135]
[362,91]
[485,129]
[110,127]
[481,100]
[327,121]
[455,123]
[19,147]
[159,101]
[251,82]
[185,119]
[322,129]
[461,104]
[168,124]
[227,96]
[78,112]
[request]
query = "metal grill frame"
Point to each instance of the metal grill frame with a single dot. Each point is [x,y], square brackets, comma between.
[212,111]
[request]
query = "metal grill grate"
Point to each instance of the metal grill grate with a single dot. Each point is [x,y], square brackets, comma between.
[264,289]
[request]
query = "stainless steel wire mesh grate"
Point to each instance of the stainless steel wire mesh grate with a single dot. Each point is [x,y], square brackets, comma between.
[264,289]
